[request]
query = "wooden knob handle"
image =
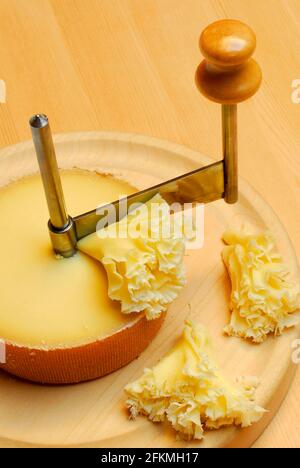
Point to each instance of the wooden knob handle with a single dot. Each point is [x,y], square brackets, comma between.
[228,75]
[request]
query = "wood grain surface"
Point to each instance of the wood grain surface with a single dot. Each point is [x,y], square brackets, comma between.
[128,65]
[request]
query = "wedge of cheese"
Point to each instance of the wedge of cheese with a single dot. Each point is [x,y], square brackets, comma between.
[263,300]
[56,318]
[144,263]
[187,389]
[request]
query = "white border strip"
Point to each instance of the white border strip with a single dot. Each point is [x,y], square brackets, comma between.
[2,91]
[2,352]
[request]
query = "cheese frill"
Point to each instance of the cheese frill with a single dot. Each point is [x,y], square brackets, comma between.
[143,258]
[187,389]
[263,300]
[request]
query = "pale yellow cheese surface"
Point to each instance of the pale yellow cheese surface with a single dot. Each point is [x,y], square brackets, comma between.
[45,301]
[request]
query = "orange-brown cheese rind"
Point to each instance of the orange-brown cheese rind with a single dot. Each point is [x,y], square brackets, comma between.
[82,363]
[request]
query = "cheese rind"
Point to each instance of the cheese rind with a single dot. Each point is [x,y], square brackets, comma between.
[263,300]
[145,273]
[84,362]
[187,389]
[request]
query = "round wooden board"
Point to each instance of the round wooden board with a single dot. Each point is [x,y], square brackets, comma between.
[93,414]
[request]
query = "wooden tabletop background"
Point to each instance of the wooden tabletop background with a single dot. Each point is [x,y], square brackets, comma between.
[128,65]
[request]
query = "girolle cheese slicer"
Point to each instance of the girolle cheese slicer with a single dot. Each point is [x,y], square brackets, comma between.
[227,75]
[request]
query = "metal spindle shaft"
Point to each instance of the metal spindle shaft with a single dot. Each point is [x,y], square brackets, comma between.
[230,153]
[61,226]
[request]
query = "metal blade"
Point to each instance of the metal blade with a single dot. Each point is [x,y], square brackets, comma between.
[200,186]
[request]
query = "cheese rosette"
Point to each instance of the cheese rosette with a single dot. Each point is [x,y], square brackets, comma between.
[187,389]
[143,258]
[263,299]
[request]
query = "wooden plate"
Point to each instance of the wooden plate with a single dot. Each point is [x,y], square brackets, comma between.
[93,414]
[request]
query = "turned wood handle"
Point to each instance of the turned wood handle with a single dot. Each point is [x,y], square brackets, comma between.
[228,74]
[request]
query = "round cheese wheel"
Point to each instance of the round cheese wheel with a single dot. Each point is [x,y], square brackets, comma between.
[56,318]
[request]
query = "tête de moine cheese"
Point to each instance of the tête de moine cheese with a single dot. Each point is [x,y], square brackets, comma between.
[56,319]
[144,263]
[263,299]
[45,301]
[187,389]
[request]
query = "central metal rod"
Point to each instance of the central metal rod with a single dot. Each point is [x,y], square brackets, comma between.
[61,226]
[45,151]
